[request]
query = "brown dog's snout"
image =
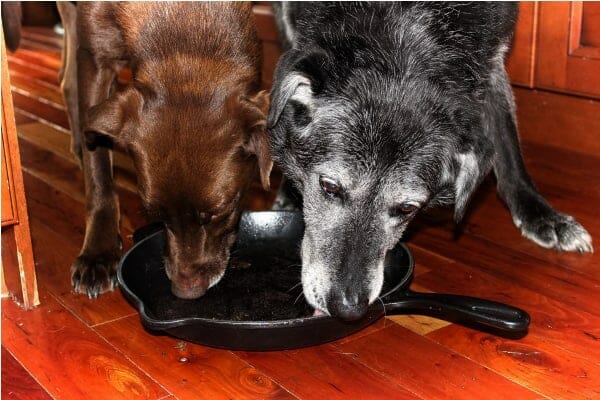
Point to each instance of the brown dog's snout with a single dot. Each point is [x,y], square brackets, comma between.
[189,282]
[192,281]
[190,291]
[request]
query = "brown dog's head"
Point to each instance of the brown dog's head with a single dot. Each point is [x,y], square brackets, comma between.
[194,156]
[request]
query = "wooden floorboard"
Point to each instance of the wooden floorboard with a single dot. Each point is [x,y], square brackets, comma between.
[17,383]
[328,372]
[189,371]
[69,359]
[72,347]
[402,355]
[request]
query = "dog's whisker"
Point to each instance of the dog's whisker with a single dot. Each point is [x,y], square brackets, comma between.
[298,298]
[294,287]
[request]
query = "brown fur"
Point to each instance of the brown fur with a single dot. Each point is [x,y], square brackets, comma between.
[193,121]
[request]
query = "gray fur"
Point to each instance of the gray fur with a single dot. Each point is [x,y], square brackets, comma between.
[399,104]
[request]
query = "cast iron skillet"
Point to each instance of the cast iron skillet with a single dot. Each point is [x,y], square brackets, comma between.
[265,253]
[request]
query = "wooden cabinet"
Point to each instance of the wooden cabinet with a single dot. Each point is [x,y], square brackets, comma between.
[557,47]
[18,268]
[568,48]
[521,60]
[556,52]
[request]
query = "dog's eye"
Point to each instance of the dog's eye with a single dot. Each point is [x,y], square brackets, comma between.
[403,209]
[329,186]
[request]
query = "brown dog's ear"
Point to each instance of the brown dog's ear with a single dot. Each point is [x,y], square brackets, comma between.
[113,120]
[254,114]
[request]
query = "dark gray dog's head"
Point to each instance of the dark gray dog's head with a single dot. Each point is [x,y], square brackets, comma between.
[367,152]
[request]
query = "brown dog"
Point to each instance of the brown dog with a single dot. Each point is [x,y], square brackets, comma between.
[193,120]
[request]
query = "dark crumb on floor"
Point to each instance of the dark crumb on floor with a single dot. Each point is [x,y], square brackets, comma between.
[256,287]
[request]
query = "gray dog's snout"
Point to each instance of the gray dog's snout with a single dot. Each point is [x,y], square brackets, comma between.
[347,310]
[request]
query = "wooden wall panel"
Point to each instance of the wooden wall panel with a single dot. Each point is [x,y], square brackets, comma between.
[520,63]
[566,122]
[565,62]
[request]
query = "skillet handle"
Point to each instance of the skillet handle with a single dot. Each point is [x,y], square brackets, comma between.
[462,309]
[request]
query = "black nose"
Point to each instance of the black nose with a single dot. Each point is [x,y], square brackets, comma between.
[347,310]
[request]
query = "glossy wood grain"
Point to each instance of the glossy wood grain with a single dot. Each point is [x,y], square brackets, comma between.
[566,61]
[448,374]
[68,358]
[566,122]
[315,373]
[190,371]
[17,383]
[71,344]
[520,62]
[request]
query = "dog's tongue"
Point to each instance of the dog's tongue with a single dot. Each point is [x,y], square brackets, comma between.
[318,313]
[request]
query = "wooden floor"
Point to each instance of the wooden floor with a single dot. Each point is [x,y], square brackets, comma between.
[71,347]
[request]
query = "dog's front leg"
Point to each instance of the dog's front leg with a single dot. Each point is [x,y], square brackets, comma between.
[94,270]
[68,72]
[531,213]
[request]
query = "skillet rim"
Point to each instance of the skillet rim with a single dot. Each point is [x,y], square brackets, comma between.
[159,324]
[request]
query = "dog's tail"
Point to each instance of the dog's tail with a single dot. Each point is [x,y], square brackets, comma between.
[12,16]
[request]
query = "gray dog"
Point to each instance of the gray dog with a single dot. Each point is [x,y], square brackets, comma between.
[380,110]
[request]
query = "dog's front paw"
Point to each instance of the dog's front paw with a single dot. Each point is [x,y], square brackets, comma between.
[94,275]
[558,231]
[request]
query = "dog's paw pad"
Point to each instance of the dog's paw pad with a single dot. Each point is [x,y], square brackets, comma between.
[94,275]
[560,232]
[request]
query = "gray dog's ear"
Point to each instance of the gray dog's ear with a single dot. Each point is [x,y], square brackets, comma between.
[473,166]
[113,120]
[296,87]
[297,78]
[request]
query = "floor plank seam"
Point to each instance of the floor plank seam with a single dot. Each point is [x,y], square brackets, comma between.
[43,100]
[40,119]
[37,81]
[451,350]
[13,58]
[36,175]
[520,253]
[139,367]
[28,372]
[100,324]
[377,372]
[31,43]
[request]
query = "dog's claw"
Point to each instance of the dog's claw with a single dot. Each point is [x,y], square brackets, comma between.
[94,275]
[76,285]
